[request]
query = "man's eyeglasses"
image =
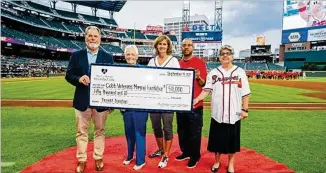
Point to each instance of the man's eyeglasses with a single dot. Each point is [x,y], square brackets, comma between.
[225,53]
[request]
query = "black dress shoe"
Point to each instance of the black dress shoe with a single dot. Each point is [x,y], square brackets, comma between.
[215,169]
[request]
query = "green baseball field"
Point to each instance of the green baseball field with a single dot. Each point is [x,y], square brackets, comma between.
[295,137]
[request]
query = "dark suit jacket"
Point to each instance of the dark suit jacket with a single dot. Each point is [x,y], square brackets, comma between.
[77,67]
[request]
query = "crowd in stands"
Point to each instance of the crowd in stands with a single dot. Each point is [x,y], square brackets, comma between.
[13,66]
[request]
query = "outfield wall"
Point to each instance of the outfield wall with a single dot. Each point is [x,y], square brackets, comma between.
[315,73]
[295,60]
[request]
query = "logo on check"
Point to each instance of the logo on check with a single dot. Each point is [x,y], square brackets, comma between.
[104,70]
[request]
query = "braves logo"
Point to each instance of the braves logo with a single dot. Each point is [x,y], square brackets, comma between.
[214,77]
[104,70]
[227,80]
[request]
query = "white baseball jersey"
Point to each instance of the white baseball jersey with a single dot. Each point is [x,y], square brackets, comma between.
[171,62]
[313,21]
[227,88]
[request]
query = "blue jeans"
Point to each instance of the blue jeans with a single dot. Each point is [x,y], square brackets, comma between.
[135,131]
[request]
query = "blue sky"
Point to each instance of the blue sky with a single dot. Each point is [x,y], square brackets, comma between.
[242,20]
[253,17]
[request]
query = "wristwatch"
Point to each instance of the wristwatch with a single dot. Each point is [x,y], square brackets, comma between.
[245,110]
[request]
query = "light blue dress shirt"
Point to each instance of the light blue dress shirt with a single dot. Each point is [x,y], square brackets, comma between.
[91,57]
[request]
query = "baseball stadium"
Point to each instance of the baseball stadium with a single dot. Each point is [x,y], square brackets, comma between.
[285,130]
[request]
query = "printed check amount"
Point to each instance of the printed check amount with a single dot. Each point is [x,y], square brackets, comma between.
[143,88]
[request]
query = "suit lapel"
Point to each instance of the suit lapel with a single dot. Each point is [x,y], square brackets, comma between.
[85,60]
[99,56]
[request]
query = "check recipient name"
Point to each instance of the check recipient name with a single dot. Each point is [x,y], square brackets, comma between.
[128,87]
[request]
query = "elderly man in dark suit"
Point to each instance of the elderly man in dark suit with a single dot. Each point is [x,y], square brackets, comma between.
[78,75]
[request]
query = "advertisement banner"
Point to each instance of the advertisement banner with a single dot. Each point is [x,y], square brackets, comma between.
[157,28]
[304,14]
[317,34]
[294,35]
[209,36]
[207,45]
[260,40]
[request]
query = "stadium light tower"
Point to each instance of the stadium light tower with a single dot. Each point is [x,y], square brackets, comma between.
[218,14]
[53,3]
[74,7]
[94,11]
[185,14]
[218,21]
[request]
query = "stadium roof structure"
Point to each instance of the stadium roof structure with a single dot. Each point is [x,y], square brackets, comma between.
[112,5]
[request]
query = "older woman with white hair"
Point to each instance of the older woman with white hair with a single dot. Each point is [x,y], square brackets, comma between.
[134,122]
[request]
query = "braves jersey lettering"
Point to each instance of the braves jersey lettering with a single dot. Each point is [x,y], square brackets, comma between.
[227,87]
[313,21]
[225,79]
[319,23]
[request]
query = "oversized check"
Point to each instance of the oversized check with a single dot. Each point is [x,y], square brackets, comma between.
[144,88]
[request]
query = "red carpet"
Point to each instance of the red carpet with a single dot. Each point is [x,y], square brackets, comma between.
[115,152]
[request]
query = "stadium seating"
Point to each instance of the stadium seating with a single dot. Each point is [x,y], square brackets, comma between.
[256,66]
[39,7]
[62,13]
[121,34]
[145,49]
[272,66]
[65,21]
[137,34]
[151,37]
[212,65]
[239,64]
[72,27]
[67,14]
[55,24]
[173,38]
[111,48]
[12,66]
[110,21]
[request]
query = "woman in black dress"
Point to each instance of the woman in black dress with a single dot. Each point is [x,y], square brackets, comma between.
[230,91]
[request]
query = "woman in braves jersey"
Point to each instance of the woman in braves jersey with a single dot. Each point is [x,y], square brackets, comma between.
[163,49]
[229,87]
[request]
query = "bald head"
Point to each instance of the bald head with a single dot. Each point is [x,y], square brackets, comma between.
[187,41]
[187,48]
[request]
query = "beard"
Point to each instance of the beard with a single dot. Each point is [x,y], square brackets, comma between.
[92,45]
[187,54]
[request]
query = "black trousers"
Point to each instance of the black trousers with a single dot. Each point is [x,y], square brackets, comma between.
[190,132]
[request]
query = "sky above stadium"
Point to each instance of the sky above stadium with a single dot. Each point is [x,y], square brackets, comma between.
[242,21]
